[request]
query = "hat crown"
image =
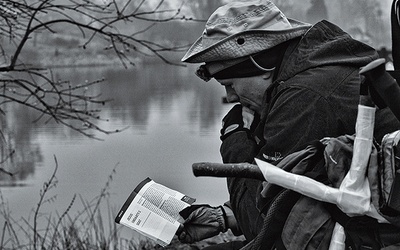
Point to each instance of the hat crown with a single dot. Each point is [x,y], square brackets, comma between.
[242,28]
[237,17]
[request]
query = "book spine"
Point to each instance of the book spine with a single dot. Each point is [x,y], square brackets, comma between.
[130,199]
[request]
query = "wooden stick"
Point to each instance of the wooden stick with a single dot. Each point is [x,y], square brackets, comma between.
[242,170]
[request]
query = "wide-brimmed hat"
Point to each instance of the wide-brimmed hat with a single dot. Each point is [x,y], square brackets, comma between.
[243,28]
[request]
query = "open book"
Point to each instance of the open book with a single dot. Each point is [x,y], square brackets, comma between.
[153,210]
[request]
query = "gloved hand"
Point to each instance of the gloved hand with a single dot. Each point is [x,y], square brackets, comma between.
[239,118]
[201,222]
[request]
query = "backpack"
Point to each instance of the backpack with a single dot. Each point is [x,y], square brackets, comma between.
[363,232]
[293,221]
[388,201]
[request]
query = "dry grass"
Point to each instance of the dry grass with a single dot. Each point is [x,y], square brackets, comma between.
[85,229]
[89,228]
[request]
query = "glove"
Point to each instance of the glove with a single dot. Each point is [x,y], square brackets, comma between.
[201,222]
[239,118]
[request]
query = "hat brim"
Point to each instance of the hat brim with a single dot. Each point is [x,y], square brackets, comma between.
[251,41]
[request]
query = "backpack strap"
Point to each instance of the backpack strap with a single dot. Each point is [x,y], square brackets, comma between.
[274,221]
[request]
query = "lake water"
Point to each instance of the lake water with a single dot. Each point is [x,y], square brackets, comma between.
[172,120]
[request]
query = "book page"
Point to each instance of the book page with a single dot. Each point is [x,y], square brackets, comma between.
[153,210]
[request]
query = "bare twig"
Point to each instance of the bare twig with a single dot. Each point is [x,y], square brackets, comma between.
[52,182]
[112,21]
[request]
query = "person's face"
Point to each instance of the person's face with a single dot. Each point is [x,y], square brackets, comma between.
[249,91]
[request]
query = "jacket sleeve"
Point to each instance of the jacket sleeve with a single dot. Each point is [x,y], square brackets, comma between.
[238,147]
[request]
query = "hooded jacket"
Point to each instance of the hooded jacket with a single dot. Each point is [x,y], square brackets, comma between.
[315,95]
[316,92]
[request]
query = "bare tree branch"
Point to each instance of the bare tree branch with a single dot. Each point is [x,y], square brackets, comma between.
[118,25]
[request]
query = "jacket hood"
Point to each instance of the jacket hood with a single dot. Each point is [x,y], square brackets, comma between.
[325,44]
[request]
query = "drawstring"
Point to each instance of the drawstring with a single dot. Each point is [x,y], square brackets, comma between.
[259,67]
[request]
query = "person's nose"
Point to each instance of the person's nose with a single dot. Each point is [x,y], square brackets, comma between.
[231,95]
